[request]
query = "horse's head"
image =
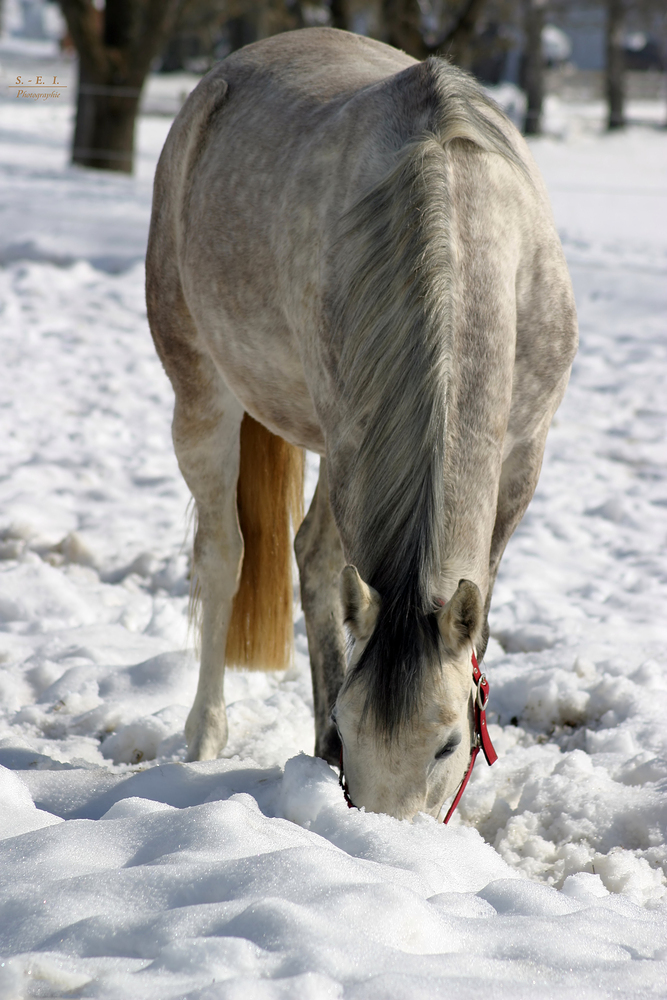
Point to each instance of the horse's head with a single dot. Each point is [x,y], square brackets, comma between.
[409,754]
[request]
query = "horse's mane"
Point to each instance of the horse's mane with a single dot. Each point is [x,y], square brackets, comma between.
[396,291]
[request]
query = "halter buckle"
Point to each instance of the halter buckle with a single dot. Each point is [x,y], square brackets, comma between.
[482,696]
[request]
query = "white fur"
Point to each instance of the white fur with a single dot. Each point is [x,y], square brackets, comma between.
[357,249]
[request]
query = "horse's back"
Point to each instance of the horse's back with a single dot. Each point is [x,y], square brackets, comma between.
[266,99]
[319,64]
[272,149]
[255,163]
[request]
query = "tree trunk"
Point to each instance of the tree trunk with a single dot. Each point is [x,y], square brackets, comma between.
[116,48]
[340,15]
[533,68]
[105,119]
[241,31]
[615,74]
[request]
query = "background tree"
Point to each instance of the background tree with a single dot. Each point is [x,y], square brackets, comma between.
[404,28]
[196,36]
[615,69]
[340,14]
[247,21]
[116,47]
[533,64]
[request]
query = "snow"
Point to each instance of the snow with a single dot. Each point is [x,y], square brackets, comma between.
[128,873]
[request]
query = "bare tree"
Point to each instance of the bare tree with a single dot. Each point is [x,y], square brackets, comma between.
[403,26]
[402,22]
[533,65]
[615,71]
[196,33]
[116,47]
[457,44]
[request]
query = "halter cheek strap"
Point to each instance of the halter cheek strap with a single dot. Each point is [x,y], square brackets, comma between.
[482,740]
[342,781]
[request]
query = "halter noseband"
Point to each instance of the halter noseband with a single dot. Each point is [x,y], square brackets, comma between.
[481,740]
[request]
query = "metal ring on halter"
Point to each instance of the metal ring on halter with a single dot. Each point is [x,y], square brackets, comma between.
[482,701]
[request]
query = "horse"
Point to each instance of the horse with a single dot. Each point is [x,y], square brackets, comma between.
[353,252]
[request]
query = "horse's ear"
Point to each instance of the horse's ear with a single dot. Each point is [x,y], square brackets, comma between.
[461,619]
[360,603]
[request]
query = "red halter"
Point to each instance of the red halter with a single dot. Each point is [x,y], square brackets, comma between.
[482,740]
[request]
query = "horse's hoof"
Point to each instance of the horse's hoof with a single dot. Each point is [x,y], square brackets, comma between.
[206,734]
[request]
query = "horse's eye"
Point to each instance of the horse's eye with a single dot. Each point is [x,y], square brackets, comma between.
[449,747]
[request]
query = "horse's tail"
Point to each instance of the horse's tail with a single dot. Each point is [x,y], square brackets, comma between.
[269,496]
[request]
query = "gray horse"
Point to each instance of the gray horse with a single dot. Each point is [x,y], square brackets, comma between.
[353,252]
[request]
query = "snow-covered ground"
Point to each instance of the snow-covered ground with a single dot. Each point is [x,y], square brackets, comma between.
[128,874]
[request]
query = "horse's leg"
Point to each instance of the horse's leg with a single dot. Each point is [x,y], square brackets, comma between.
[319,555]
[206,440]
[518,479]
[545,348]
